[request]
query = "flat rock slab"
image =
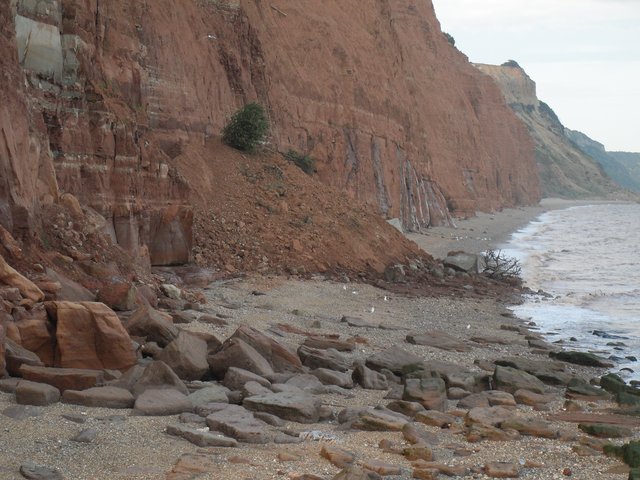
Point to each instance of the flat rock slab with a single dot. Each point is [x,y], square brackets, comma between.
[300,407]
[582,358]
[33,471]
[323,343]
[239,423]
[105,397]
[63,378]
[201,438]
[511,379]
[395,359]
[20,412]
[591,418]
[330,358]
[501,470]
[438,339]
[157,402]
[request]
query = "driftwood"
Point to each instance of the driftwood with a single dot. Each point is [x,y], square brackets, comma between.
[279,11]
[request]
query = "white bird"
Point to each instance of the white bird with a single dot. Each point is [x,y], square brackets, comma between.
[386,299]
[468,326]
[373,309]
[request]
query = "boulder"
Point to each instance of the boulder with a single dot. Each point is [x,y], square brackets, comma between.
[16,356]
[465,262]
[37,334]
[369,379]
[395,359]
[155,375]
[409,409]
[63,378]
[330,359]
[332,377]
[295,407]
[550,372]
[9,276]
[69,290]
[502,470]
[118,294]
[339,457]
[603,430]
[435,418]
[235,378]
[430,392]
[212,393]
[374,420]
[32,393]
[237,353]
[90,335]
[187,356]
[279,356]
[155,326]
[531,426]
[438,339]
[509,379]
[102,397]
[493,416]
[162,402]
[581,358]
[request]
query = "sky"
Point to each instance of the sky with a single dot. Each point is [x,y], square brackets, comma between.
[584,56]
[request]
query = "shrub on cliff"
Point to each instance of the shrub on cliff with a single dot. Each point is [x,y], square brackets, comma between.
[304,162]
[247,128]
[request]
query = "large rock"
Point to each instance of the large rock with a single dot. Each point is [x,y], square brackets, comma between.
[279,357]
[118,294]
[63,378]
[154,375]
[581,358]
[155,326]
[103,397]
[187,356]
[431,393]
[465,262]
[237,353]
[550,372]
[90,335]
[162,402]
[212,393]
[239,423]
[235,378]
[395,359]
[510,380]
[28,289]
[296,407]
[32,393]
[330,359]
[37,334]
[369,379]
[16,356]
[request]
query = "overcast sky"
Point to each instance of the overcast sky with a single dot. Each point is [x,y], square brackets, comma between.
[584,56]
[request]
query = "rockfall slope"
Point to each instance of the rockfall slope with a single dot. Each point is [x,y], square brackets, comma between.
[565,170]
[100,99]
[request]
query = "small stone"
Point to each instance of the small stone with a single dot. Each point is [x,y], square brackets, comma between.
[501,470]
[337,456]
[87,435]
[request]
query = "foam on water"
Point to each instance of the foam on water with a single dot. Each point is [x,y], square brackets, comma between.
[588,260]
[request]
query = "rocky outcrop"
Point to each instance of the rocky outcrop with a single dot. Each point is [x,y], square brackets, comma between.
[102,103]
[565,170]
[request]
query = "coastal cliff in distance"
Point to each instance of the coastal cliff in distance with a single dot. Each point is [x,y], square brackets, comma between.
[117,103]
[566,171]
[622,167]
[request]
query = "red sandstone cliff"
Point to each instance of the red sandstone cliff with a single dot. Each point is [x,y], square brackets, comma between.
[101,99]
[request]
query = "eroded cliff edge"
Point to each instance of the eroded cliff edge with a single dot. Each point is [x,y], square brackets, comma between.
[101,98]
[566,171]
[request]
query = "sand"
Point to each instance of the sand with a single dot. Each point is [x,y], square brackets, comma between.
[133,447]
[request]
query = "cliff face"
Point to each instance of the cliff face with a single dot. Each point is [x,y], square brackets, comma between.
[622,167]
[100,98]
[565,170]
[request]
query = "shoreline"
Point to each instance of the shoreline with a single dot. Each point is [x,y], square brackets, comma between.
[489,230]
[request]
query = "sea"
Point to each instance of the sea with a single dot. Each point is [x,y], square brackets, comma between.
[584,265]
